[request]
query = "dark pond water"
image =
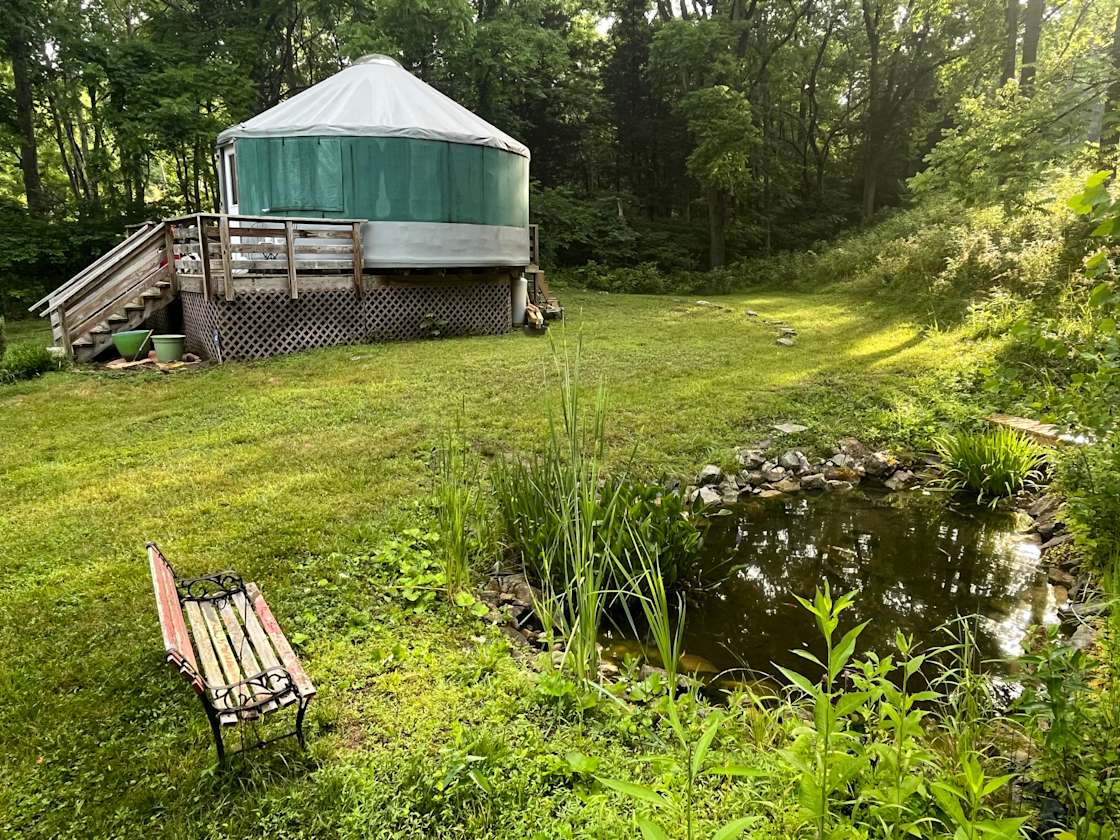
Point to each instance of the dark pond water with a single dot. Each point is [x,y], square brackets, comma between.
[915,559]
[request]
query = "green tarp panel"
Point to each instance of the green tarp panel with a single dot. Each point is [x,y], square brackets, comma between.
[383,179]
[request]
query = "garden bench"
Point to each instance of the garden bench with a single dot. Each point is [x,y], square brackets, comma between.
[248,667]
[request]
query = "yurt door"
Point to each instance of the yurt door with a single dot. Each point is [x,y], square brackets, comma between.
[229,179]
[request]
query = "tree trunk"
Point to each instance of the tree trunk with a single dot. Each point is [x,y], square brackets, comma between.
[717,227]
[20,56]
[873,126]
[1011,41]
[1032,30]
[1110,117]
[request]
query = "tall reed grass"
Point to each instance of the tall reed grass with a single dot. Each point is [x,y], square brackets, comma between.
[995,464]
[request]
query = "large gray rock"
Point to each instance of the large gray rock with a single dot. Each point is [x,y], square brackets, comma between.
[786,341]
[814,481]
[709,496]
[901,480]
[839,485]
[1056,576]
[750,459]
[774,474]
[1083,637]
[788,485]
[789,428]
[711,474]
[794,460]
[878,464]
[729,492]
[769,494]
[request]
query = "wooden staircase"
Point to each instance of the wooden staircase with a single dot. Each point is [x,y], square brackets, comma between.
[120,291]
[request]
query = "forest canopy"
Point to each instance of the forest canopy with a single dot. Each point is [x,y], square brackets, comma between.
[684,135]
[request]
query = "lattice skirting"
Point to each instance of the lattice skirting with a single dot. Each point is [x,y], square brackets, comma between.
[259,323]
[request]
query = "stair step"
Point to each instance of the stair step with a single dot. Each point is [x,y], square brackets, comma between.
[84,341]
[117,318]
[151,294]
[163,284]
[135,304]
[100,329]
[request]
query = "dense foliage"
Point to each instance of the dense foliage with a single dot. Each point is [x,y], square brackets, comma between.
[680,137]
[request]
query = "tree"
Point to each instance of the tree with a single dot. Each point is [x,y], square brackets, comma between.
[21,38]
[1032,31]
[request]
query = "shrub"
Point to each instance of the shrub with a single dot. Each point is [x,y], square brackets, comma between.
[3,339]
[1090,479]
[995,463]
[25,361]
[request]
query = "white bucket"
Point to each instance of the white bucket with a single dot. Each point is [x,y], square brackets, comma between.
[520,293]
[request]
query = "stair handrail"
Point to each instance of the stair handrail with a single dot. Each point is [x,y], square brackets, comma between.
[84,278]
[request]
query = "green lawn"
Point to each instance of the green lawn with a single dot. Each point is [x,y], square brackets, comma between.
[290,470]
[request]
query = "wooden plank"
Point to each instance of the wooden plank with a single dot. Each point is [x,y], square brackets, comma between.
[356,239]
[169,251]
[279,642]
[227,273]
[203,248]
[241,644]
[231,667]
[257,635]
[211,670]
[64,331]
[289,253]
[281,248]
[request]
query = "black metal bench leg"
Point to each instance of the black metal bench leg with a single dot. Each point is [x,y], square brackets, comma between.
[216,728]
[303,702]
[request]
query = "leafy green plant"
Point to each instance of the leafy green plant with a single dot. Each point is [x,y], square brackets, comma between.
[3,339]
[963,802]
[25,361]
[827,755]
[995,464]
[414,566]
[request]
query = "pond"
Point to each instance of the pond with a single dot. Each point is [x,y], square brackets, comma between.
[916,560]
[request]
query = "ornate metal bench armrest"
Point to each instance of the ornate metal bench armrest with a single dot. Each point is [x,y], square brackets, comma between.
[253,692]
[216,587]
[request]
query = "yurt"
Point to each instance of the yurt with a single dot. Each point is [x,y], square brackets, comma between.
[438,186]
[438,199]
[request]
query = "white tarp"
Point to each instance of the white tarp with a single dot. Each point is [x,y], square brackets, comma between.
[374,97]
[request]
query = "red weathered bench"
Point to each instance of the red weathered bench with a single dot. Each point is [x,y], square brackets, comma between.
[248,668]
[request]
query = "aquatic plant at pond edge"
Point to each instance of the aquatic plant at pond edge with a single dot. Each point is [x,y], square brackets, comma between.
[994,463]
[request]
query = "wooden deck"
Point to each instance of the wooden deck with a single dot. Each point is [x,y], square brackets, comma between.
[219,257]
[211,253]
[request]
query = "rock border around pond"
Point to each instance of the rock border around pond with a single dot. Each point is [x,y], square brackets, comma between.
[851,464]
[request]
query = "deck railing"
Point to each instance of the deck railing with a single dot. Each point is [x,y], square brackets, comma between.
[218,253]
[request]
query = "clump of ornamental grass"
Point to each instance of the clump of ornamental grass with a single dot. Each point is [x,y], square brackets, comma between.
[995,464]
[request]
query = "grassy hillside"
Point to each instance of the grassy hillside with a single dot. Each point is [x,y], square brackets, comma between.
[292,470]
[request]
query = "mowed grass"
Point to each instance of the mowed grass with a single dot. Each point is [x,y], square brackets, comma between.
[283,469]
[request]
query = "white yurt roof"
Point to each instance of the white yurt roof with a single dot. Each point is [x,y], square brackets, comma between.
[374,97]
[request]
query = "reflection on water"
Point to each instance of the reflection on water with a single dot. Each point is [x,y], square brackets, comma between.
[915,560]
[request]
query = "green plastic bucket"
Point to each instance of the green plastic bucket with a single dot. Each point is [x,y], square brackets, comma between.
[169,348]
[131,343]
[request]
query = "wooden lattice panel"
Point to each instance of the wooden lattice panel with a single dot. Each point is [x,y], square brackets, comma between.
[261,323]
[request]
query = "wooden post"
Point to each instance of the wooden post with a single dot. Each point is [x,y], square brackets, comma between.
[204,255]
[227,269]
[64,331]
[290,253]
[356,238]
[169,249]
[535,244]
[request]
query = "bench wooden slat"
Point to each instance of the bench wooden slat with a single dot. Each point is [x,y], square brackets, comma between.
[176,640]
[243,648]
[211,670]
[231,667]
[276,636]
[256,632]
